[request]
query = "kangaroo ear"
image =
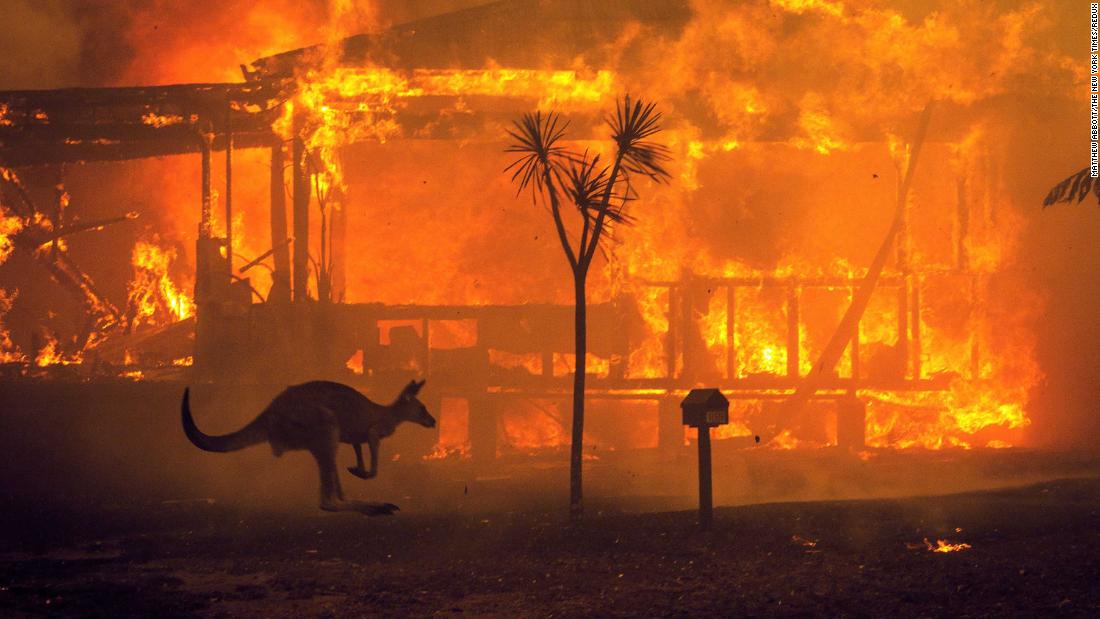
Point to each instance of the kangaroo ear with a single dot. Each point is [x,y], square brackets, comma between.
[412,389]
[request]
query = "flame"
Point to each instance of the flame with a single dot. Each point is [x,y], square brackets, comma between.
[454,435]
[355,362]
[51,354]
[9,352]
[9,227]
[153,296]
[159,120]
[943,546]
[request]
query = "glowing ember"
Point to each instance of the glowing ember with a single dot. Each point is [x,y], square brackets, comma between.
[802,541]
[944,546]
[158,120]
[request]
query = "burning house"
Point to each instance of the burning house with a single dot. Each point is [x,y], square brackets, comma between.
[829,251]
[340,211]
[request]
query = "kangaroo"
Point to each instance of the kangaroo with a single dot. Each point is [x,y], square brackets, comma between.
[318,416]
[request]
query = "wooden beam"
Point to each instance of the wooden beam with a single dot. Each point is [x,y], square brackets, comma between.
[301,222]
[280,286]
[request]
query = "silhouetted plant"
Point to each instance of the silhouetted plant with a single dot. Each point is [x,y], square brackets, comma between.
[1073,189]
[599,194]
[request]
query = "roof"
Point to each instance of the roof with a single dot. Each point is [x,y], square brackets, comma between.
[510,33]
[97,124]
[705,398]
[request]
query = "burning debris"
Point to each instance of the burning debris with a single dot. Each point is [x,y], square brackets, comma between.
[942,546]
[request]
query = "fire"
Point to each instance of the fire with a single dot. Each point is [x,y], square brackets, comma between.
[529,426]
[767,139]
[454,438]
[160,120]
[9,353]
[9,227]
[355,362]
[337,106]
[51,354]
[944,546]
[153,296]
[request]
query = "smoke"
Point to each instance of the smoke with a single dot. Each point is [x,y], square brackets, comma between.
[41,45]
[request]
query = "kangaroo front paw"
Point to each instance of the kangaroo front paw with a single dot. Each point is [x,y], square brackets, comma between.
[360,472]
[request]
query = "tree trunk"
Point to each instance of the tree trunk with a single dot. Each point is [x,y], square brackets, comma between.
[576,449]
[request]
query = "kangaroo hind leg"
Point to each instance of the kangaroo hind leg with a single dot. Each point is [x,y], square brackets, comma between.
[332,496]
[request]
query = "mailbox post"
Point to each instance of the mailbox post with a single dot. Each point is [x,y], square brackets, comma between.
[704,409]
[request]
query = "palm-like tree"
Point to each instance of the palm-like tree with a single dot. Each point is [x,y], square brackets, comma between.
[599,194]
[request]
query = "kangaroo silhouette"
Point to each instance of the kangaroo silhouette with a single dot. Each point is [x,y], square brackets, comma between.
[317,416]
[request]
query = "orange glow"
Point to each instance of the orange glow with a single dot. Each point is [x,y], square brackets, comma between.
[528,426]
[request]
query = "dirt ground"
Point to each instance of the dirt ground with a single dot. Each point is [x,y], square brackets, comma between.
[1033,552]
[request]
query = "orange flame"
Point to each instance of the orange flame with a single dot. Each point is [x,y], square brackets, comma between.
[153,295]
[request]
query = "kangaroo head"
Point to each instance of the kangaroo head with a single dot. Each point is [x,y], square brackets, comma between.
[410,408]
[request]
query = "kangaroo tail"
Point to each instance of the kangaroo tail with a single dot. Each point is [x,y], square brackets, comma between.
[249,435]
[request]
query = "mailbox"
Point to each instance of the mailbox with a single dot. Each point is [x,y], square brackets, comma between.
[705,408]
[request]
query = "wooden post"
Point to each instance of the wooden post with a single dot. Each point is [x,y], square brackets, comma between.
[904,242]
[962,254]
[914,325]
[482,426]
[903,327]
[229,189]
[688,367]
[203,334]
[337,249]
[280,286]
[670,432]
[301,223]
[975,345]
[673,331]
[204,222]
[731,339]
[792,332]
[706,499]
[854,352]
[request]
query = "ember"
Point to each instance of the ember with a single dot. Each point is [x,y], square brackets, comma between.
[945,546]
